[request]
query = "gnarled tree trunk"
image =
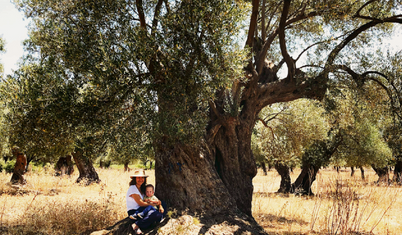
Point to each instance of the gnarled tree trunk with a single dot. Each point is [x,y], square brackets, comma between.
[313,161]
[383,174]
[284,171]
[304,181]
[85,167]
[227,162]
[215,177]
[186,178]
[234,161]
[19,167]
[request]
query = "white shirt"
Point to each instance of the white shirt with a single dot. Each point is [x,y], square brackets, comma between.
[130,202]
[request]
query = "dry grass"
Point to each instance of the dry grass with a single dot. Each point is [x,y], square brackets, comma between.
[57,205]
[343,204]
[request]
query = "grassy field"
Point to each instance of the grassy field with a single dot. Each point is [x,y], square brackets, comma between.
[342,205]
[54,205]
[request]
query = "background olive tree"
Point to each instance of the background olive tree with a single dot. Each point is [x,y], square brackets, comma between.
[286,132]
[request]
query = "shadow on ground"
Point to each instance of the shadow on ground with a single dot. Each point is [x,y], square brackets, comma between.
[228,224]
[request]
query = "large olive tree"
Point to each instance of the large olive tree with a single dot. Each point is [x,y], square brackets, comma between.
[173,67]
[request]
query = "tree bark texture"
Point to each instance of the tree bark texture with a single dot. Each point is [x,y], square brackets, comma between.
[284,171]
[85,168]
[19,168]
[186,178]
[217,175]
[235,162]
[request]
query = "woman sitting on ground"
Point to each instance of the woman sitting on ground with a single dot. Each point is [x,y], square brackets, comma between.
[136,204]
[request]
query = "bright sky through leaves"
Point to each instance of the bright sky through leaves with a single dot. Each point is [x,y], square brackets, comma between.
[13,28]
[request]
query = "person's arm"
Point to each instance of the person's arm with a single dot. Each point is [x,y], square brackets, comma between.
[154,201]
[141,202]
[159,204]
[161,208]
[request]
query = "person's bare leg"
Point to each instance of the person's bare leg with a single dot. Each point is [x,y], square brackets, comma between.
[136,229]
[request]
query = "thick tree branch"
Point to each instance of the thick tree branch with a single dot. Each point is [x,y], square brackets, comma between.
[155,20]
[141,14]
[273,10]
[285,91]
[275,32]
[389,92]
[301,16]
[315,44]
[366,76]
[311,66]
[253,23]
[362,7]
[266,46]
[213,108]
[282,40]
[352,36]
[263,29]
[282,91]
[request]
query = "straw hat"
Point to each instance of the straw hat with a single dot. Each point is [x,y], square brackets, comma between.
[139,173]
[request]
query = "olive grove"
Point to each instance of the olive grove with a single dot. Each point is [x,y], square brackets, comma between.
[189,77]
